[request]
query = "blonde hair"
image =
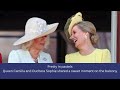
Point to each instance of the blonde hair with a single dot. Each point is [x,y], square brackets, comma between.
[27,45]
[89,27]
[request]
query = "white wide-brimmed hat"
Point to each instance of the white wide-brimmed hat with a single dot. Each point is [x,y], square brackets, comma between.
[34,28]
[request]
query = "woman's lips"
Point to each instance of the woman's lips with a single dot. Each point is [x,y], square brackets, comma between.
[42,43]
[75,41]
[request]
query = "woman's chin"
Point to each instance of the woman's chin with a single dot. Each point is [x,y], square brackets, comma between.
[40,48]
[76,46]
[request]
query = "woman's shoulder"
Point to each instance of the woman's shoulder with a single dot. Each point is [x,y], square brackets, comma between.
[44,53]
[105,55]
[72,54]
[103,50]
[19,52]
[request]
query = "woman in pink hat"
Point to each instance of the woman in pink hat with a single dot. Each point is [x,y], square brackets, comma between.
[33,42]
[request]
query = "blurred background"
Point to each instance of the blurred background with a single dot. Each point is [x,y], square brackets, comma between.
[12,25]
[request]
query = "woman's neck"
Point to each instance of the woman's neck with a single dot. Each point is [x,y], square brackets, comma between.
[86,49]
[34,52]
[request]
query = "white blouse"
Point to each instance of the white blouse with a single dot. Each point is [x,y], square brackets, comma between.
[22,56]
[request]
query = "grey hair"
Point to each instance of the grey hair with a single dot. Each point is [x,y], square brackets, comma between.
[27,45]
[89,27]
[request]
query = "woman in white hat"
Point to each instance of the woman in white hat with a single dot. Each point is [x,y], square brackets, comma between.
[33,43]
[83,35]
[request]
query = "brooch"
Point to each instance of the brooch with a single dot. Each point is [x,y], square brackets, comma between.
[44,59]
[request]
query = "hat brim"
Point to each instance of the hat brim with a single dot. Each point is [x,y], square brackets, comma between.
[28,37]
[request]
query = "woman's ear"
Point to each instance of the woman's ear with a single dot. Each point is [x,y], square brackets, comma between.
[86,35]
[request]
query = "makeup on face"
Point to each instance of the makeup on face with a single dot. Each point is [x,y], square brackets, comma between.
[40,42]
[77,36]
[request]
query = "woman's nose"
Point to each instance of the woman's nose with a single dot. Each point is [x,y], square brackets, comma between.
[71,37]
